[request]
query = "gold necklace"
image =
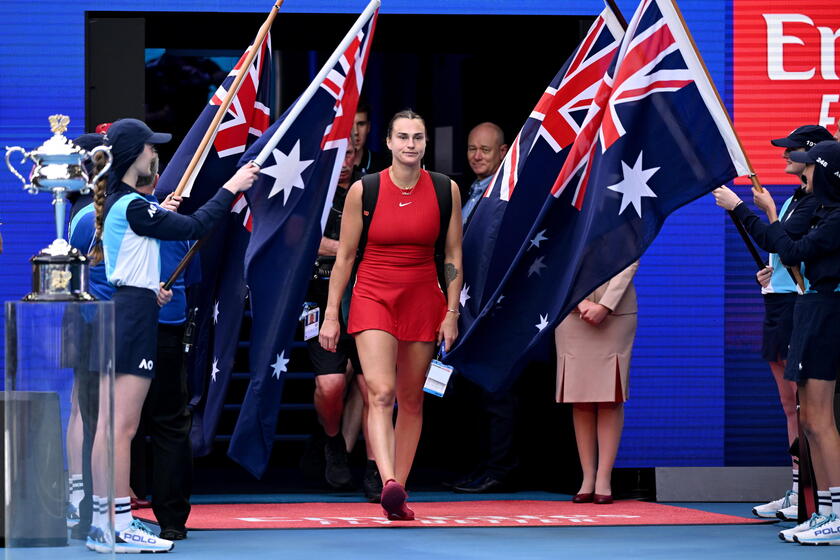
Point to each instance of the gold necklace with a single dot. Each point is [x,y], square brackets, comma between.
[405,191]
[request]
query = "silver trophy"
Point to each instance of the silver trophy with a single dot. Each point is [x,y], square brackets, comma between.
[59,272]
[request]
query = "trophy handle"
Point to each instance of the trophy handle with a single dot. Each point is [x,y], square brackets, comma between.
[105,169]
[9,152]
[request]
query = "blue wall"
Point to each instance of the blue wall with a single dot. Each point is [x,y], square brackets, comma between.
[677,413]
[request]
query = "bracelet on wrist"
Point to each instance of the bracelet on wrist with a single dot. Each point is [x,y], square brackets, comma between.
[330,318]
[455,311]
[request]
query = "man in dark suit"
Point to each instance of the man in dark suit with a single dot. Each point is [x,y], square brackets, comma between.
[485,151]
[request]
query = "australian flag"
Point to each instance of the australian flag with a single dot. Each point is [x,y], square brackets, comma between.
[290,202]
[502,221]
[220,297]
[655,138]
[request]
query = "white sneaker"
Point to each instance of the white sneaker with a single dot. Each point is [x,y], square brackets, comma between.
[139,538]
[72,516]
[790,513]
[827,533]
[99,540]
[815,521]
[769,510]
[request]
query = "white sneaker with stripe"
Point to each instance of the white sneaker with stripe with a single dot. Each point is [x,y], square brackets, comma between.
[770,509]
[815,521]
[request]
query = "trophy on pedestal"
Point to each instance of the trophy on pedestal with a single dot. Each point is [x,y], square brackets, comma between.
[59,272]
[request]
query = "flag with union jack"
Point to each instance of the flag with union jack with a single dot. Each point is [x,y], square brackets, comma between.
[655,138]
[220,298]
[290,202]
[502,221]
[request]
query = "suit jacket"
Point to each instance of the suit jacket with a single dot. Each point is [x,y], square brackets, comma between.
[618,294]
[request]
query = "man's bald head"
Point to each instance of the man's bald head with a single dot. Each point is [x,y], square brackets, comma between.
[486,149]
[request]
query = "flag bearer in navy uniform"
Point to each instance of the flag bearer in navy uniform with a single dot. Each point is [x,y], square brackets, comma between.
[131,228]
[779,291]
[814,355]
[166,416]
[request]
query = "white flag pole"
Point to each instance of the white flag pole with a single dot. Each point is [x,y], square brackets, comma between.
[316,83]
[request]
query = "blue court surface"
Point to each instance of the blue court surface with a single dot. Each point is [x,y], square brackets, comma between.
[715,542]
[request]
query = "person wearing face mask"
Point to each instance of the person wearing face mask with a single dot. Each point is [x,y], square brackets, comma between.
[814,355]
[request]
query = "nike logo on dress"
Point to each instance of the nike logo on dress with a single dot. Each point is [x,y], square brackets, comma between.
[405,203]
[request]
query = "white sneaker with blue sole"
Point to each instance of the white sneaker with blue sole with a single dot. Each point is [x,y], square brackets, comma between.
[815,521]
[770,509]
[137,538]
[826,534]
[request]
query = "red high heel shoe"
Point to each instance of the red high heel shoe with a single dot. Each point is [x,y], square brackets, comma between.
[602,499]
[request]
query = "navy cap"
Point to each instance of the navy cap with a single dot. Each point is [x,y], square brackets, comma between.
[125,132]
[825,157]
[806,137]
[127,138]
[89,141]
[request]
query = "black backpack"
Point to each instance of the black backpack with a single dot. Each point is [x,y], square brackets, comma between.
[443,191]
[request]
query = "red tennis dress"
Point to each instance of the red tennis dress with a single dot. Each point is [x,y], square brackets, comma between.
[396,287]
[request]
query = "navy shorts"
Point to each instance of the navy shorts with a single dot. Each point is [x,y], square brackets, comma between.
[814,345]
[135,330]
[778,324]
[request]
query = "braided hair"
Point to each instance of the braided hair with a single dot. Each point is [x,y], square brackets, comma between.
[99,191]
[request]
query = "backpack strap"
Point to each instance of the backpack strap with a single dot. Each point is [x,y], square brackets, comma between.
[443,191]
[370,194]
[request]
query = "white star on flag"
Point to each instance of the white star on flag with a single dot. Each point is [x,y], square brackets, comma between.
[634,185]
[287,172]
[215,369]
[216,313]
[543,322]
[279,365]
[537,266]
[465,295]
[539,238]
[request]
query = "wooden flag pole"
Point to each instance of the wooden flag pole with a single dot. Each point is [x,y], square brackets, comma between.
[184,262]
[234,88]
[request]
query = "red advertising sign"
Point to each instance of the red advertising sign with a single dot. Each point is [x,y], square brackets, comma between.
[786,70]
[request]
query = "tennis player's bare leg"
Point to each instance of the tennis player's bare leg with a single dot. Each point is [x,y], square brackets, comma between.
[378,355]
[413,360]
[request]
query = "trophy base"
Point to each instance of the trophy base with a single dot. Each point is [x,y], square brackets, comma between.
[59,273]
[35,296]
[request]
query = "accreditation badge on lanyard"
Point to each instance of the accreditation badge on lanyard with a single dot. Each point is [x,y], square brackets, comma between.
[311,317]
[437,378]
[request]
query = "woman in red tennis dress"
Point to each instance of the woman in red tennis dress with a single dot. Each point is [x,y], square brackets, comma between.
[398,312]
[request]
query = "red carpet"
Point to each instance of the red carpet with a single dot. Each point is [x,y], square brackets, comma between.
[507,513]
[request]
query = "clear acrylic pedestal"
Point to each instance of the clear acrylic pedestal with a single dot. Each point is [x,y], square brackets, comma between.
[57,399]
